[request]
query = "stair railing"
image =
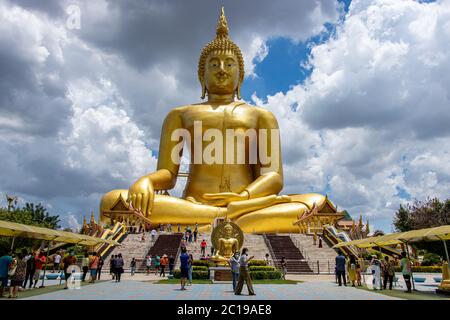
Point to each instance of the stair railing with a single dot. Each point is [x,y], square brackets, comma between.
[269,246]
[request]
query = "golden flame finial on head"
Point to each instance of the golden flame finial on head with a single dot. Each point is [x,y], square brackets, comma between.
[222,25]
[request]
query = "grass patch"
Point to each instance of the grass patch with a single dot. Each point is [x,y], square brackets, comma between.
[415,295]
[177,281]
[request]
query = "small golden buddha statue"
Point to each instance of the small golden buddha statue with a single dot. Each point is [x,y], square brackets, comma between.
[445,283]
[227,239]
[245,191]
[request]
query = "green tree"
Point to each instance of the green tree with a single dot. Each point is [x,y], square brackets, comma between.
[30,214]
[424,214]
[402,220]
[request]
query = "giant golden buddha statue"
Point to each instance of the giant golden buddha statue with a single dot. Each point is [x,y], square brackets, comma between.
[245,191]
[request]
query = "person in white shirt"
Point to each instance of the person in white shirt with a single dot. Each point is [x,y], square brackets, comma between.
[56,262]
[244,275]
[148,263]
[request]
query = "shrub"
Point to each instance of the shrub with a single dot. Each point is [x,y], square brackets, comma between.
[196,274]
[427,269]
[262,275]
[199,268]
[204,263]
[257,263]
[262,268]
[430,259]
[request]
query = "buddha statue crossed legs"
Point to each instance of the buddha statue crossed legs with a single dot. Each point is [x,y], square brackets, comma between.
[245,190]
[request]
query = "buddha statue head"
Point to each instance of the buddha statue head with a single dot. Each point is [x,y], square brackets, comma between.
[228,231]
[221,64]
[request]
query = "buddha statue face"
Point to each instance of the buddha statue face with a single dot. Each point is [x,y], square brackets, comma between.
[228,230]
[221,72]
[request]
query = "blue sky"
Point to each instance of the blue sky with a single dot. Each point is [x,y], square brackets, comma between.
[283,67]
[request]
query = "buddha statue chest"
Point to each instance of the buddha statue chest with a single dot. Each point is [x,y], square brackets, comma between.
[220,117]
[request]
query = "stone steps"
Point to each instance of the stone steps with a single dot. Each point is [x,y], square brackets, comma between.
[131,247]
[320,259]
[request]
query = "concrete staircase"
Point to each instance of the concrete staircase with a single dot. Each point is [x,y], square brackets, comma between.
[131,247]
[321,260]
[166,243]
[283,246]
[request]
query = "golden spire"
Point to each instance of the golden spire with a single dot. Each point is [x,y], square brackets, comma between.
[92,218]
[222,25]
[84,221]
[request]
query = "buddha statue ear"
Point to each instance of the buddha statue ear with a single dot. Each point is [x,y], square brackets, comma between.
[238,91]
[202,83]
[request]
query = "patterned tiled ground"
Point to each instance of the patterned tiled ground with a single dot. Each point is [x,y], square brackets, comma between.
[136,290]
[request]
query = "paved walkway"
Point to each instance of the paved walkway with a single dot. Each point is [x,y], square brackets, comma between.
[137,290]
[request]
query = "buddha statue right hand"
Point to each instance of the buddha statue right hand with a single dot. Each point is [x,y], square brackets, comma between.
[141,195]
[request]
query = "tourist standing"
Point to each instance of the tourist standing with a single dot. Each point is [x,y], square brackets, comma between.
[203,245]
[375,267]
[133,266]
[5,263]
[118,266]
[18,277]
[388,273]
[283,267]
[191,262]
[184,268]
[68,261]
[358,274]
[112,263]
[179,228]
[244,274]
[93,265]
[40,261]
[99,267]
[405,264]
[157,264]
[320,242]
[148,264]
[195,235]
[351,267]
[31,269]
[153,235]
[340,269]
[267,259]
[163,262]
[234,264]
[85,266]
[172,263]
[56,262]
